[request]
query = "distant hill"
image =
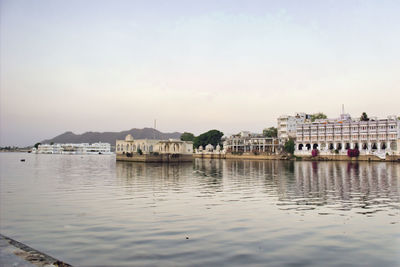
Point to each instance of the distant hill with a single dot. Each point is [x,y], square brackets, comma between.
[110,137]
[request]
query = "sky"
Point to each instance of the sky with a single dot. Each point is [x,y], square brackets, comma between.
[191,65]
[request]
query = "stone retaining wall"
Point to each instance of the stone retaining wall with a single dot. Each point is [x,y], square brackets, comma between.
[243,156]
[188,158]
[156,158]
[347,158]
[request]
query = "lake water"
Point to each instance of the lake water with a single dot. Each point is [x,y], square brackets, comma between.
[93,211]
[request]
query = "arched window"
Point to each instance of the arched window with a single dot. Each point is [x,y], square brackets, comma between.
[118,147]
[127,147]
[383,146]
[365,146]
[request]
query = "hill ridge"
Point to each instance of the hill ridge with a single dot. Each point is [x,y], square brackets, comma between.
[110,137]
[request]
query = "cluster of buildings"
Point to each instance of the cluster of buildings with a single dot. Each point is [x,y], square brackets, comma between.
[80,149]
[325,137]
[331,136]
[252,143]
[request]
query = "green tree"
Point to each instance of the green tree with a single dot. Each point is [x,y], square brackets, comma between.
[37,145]
[211,137]
[364,117]
[187,136]
[317,116]
[289,146]
[270,132]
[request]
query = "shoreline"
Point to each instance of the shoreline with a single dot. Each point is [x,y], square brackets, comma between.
[389,158]
[14,253]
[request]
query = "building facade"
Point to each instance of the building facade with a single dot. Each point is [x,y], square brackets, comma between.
[81,149]
[152,146]
[287,125]
[379,137]
[245,142]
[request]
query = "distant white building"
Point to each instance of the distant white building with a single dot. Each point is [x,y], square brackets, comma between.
[287,125]
[376,136]
[81,149]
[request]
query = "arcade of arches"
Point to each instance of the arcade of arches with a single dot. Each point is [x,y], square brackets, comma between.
[385,146]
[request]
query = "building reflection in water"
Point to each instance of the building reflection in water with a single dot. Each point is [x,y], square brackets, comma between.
[347,180]
[308,184]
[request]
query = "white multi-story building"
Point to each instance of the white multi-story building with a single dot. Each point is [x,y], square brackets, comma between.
[376,136]
[245,142]
[81,149]
[287,125]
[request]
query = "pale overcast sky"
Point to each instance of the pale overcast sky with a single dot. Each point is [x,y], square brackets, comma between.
[193,65]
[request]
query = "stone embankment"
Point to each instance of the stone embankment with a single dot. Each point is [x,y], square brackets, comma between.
[248,156]
[241,156]
[155,158]
[14,253]
[388,158]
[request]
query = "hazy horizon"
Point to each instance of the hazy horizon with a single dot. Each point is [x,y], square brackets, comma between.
[192,65]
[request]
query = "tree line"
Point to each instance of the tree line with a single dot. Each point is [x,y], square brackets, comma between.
[212,137]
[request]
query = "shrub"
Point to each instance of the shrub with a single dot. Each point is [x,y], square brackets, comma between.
[314,152]
[289,146]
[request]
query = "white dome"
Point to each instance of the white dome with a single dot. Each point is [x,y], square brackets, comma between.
[129,138]
[209,147]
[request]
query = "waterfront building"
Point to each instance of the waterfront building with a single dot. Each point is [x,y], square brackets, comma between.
[378,137]
[81,149]
[245,142]
[152,146]
[287,125]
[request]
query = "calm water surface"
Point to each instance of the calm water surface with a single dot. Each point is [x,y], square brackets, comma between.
[93,211]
